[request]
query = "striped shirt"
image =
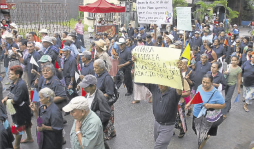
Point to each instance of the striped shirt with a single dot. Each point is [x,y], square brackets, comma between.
[79,28]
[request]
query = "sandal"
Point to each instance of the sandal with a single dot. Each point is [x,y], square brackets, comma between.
[204,142]
[245,108]
[135,101]
[224,117]
[189,113]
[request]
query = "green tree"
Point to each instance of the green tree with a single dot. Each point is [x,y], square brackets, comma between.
[231,14]
[178,3]
[204,8]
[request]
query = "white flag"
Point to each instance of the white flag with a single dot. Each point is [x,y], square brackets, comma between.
[76,76]
[32,61]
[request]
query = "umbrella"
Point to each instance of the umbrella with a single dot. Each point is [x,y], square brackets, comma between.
[202,127]
[39,123]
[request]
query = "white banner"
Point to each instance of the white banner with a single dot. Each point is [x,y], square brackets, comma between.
[154,11]
[183,18]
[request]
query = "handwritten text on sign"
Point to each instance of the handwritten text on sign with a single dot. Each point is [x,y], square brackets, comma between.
[184,18]
[157,65]
[155,11]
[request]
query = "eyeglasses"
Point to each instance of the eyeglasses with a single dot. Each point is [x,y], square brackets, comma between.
[46,70]
[237,42]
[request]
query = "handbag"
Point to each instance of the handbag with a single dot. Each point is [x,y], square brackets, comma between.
[213,115]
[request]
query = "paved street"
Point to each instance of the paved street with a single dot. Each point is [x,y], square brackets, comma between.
[134,127]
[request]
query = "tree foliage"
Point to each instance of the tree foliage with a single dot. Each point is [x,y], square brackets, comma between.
[205,8]
[231,14]
[178,3]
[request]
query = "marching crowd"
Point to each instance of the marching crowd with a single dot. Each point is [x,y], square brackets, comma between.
[61,69]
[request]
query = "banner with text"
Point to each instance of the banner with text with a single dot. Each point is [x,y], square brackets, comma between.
[183,18]
[155,11]
[157,65]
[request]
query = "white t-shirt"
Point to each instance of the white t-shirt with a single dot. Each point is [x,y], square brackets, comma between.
[90,98]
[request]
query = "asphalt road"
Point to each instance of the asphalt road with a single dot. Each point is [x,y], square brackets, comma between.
[134,128]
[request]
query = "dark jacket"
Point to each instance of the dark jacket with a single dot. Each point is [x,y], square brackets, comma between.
[130,32]
[53,53]
[101,107]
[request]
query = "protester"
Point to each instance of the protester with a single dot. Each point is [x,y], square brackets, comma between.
[148,40]
[125,64]
[112,52]
[130,30]
[43,32]
[87,129]
[51,50]
[19,98]
[211,99]
[58,40]
[234,74]
[64,35]
[196,40]
[75,40]
[212,57]
[169,40]
[106,85]
[102,54]
[38,46]
[248,82]
[218,49]
[98,103]
[52,120]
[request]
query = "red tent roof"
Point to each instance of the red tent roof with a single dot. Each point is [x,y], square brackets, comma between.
[101,6]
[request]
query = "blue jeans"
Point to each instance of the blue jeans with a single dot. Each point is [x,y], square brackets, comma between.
[6,72]
[81,37]
[229,91]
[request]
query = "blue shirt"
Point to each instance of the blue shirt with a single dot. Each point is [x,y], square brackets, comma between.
[248,74]
[52,116]
[54,84]
[216,99]
[105,83]
[74,50]
[69,68]
[88,69]
[219,51]
[200,71]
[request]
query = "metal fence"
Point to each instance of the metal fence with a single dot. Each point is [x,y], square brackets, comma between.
[35,16]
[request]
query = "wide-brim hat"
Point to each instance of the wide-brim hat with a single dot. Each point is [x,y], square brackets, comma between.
[14,25]
[102,44]
[68,38]
[121,41]
[171,37]
[8,35]
[47,39]
[43,31]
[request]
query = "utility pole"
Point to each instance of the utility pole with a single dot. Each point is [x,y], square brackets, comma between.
[127,13]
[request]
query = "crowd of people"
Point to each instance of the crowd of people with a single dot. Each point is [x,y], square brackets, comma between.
[84,83]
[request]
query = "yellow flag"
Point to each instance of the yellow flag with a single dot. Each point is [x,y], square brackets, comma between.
[187,54]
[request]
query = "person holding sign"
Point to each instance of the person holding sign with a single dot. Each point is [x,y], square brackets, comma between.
[165,103]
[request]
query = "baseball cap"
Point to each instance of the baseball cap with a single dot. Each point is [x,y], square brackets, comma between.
[196,32]
[45,58]
[141,28]
[88,80]
[66,48]
[78,102]
[85,53]
[178,42]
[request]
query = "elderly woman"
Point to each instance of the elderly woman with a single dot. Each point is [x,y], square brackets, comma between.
[219,81]
[112,52]
[218,49]
[248,82]
[102,54]
[106,85]
[212,56]
[169,40]
[52,120]
[201,68]
[19,97]
[86,132]
[51,81]
[212,99]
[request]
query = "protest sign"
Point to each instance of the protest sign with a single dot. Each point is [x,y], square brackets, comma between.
[157,65]
[155,11]
[183,18]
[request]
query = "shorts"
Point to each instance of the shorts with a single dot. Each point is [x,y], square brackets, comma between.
[19,130]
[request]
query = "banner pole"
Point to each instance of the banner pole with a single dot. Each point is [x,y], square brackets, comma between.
[184,40]
[155,36]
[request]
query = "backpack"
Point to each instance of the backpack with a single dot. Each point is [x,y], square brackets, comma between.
[116,94]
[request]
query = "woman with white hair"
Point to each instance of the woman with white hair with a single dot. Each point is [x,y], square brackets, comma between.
[52,120]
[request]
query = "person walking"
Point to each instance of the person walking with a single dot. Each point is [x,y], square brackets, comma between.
[79,28]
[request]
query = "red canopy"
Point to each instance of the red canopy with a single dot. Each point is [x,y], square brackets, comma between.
[4,5]
[101,6]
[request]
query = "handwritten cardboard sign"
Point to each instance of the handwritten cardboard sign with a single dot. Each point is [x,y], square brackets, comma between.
[155,11]
[183,18]
[157,65]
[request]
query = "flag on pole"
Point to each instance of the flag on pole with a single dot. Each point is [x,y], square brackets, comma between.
[31,95]
[79,68]
[187,53]
[237,98]
[226,42]
[83,92]
[56,65]
[37,39]
[197,99]
[35,96]
[76,76]
[32,61]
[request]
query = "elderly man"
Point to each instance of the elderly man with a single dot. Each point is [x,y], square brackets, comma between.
[125,66]
[201,68]
[76,42]
[207,36]
[69,68]
[196,40]
[142,34]
[130,30]
[98,103]
[178,44]
[87,129]
[43,32]
[74,51]
[32,54]
[79,28]
[51,50]
[87,63]
[38,45]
